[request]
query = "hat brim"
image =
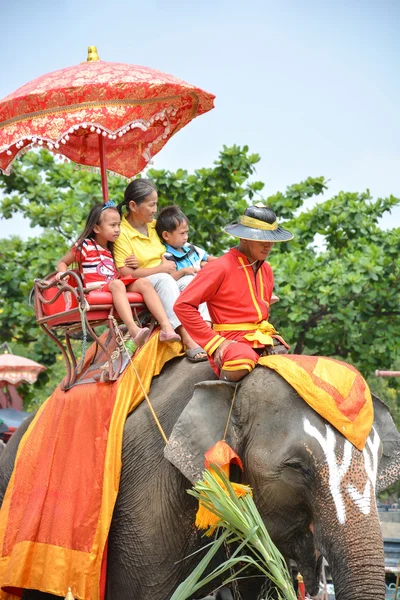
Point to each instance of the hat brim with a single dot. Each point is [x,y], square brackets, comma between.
[261,235]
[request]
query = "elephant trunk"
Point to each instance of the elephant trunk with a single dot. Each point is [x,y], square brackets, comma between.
[362,577]
[347,528]
[357,561]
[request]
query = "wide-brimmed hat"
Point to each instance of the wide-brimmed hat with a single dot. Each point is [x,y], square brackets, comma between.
[259,223]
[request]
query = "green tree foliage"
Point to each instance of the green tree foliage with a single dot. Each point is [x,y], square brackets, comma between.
[340,296]
[338,280]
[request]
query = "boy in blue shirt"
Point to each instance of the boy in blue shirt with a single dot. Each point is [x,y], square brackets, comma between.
[173,228]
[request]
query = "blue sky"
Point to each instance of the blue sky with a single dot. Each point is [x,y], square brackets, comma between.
[311,86]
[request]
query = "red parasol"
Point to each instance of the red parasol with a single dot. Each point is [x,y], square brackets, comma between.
[13,371]
[101,114]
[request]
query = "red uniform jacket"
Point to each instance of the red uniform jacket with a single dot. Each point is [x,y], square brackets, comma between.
[234,294]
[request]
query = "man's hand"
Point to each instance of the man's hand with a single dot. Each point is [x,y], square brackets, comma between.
[167,266]
[131,261]
[217,356]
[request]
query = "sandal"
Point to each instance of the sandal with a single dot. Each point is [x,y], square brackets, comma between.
[142,337]
[169,337]
[191,354]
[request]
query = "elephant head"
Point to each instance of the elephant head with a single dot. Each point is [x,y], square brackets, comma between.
[313,488]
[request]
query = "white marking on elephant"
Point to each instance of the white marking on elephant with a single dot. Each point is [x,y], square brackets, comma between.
[363,501]
[373,445]
[337,471]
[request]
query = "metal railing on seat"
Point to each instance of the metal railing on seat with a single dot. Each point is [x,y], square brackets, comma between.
[64,308]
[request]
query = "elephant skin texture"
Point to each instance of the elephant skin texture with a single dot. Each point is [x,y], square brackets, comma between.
[314,490]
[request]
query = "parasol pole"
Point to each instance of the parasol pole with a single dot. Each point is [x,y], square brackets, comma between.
[93,56]
[103,169]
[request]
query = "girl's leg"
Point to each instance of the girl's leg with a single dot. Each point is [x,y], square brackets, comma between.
[154,304]
[121,303]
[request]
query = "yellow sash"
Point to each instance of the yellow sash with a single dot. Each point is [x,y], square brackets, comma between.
[262,331]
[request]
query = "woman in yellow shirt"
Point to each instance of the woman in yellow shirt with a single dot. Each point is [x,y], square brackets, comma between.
[138,251]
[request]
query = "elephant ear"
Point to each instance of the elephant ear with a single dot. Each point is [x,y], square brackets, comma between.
[200,425]
[389,466]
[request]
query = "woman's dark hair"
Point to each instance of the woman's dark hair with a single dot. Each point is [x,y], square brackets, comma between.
[169,219]
[138,190]
[93,218]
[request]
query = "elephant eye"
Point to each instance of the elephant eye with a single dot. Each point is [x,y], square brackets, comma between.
[294,464]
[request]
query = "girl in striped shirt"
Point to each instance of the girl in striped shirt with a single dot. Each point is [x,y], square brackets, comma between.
[93,251]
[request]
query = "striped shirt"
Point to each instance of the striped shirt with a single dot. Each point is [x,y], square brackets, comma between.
[96,263]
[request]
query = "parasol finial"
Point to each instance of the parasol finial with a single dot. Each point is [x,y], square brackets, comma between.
[69,595]
[92,54]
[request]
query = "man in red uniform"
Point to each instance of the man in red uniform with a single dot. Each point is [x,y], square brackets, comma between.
[237,288]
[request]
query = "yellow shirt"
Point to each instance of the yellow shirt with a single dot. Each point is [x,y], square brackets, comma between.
[147,249]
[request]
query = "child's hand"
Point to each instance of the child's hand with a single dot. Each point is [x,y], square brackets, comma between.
[274,298]
[58,275]
[131,261]
[168,266]
[190,270]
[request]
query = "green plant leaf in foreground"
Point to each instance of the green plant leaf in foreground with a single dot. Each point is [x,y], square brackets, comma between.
[241,524]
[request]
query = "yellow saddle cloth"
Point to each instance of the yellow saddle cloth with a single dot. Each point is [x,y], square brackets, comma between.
[334,389]
[57,510]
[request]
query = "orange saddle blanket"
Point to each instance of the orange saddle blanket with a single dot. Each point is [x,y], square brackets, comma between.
[57,510]
[334,389]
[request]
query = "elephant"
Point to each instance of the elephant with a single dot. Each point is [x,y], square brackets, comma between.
[314,490]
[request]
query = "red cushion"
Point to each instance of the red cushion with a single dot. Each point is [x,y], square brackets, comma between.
[102,298]
[65,301]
